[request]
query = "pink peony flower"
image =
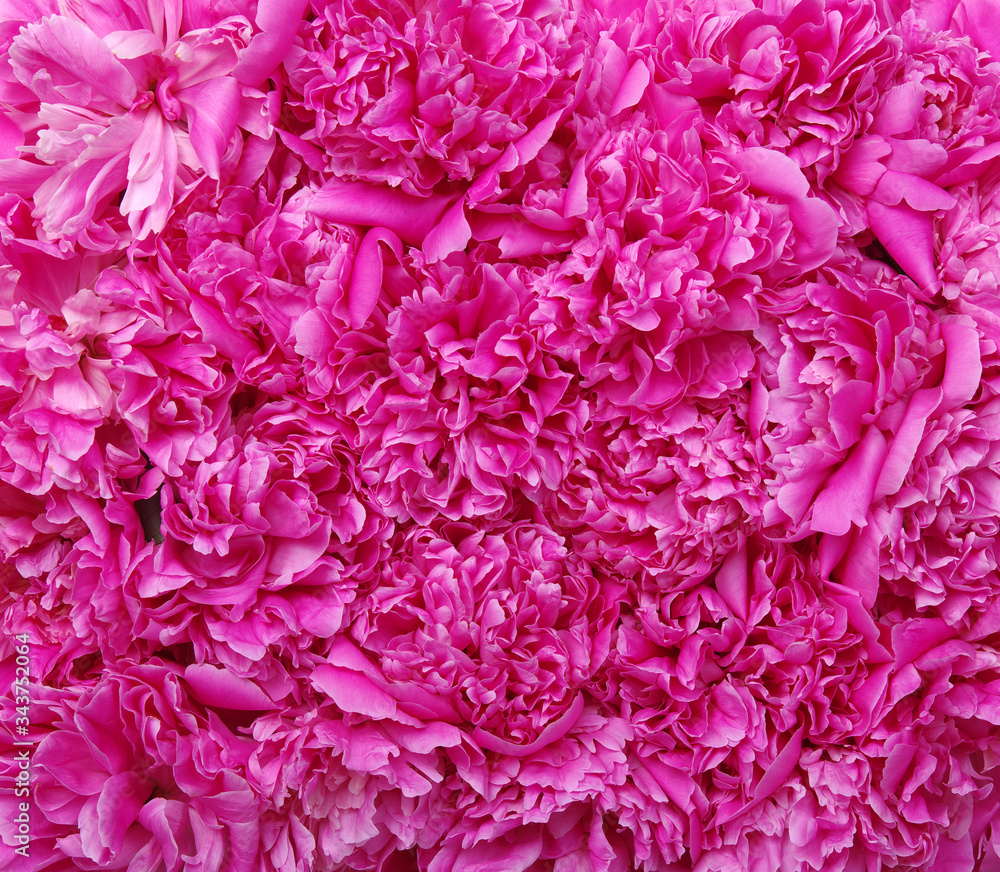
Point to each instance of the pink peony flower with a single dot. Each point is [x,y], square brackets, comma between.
[126,771]
[413,95]
[263,545]
[267,284]
[353,784]
[137,102]
[635,491]
[505,623]
[465,409]
[849,442]
[801,78]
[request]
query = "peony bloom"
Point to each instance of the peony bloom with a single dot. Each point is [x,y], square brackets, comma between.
[634,492]
[463,409]
[263,545]
[130,770]
[507,624]
[266,283]
[853,444]
[411,95]
[653,296]
[800,78]
[132,101]
[350,784]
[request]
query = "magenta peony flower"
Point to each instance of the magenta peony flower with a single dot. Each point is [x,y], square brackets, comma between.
[127,772]
[350,784]
[263,545]
[411,95]
[465,409]
[506,624]
[800,78]
[267,284]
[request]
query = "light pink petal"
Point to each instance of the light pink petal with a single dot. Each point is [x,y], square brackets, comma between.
[861,564]
[905,441]
[848,405]
[632,88]
[550,733]
[352,692]
[732,584]
[895,187]
[816,224]
[491,856]
[963,363]
[450,235]
[861,168]
[152,170]
[781,767]
[118,806]
[65,61]
[211,109]
[978,20]
[900,109]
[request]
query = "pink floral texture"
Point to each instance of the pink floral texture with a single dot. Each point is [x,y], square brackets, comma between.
[463,409]
[503,436]
[263,546]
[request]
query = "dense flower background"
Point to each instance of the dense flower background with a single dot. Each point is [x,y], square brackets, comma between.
[501,435]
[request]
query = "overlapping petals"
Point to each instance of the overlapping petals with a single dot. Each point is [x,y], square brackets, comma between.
[508,436]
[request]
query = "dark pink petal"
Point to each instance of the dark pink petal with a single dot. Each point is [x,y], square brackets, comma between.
[220,688]
[908,236]
[847,496]
[410,218]
[366,274]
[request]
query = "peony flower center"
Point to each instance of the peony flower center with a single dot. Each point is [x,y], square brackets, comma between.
[169,104]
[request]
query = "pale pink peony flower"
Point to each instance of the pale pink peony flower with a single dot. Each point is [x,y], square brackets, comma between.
[131,102]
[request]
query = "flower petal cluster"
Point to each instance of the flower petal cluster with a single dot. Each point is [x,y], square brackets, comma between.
[413,97]
[130,101]
[132,769]
[500,435]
